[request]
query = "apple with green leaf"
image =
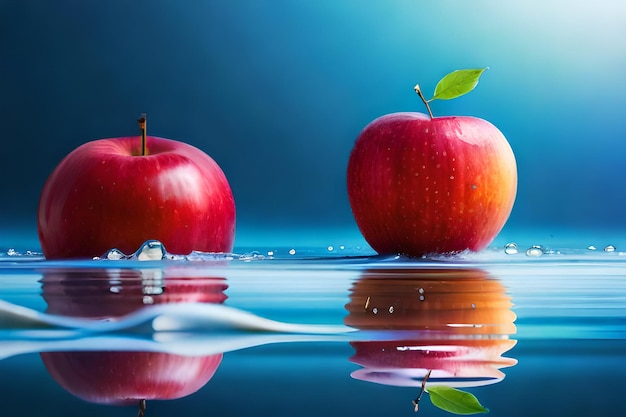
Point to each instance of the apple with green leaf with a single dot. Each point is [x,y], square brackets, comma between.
[421,185]
[121,192]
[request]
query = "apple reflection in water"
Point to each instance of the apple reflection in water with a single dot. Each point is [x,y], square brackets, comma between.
[127,377]
[453,322]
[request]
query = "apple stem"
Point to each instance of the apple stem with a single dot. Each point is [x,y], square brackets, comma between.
[142,408]
[419,93]
[419,397]
[142,126]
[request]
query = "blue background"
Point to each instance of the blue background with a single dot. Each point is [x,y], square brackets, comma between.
[277,91]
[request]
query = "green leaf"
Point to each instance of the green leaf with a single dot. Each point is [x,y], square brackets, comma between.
[455,401]
[457,83]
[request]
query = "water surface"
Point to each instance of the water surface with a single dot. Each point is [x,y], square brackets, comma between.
[313,333]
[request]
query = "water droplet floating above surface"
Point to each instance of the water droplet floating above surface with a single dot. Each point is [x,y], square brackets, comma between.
[535,251]
[609,248]
[511,248]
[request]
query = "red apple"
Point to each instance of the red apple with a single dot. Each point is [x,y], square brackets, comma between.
[453,322]
[107,194]
[419,185]
[125,377]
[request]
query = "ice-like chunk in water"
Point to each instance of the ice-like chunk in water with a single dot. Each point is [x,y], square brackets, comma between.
[154,250]
[114,255]
[151,250]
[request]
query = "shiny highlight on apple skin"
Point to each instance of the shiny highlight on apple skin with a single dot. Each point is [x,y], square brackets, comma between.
[419,185]
[105,195]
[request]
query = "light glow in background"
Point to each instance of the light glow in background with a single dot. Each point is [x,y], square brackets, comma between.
[276,91]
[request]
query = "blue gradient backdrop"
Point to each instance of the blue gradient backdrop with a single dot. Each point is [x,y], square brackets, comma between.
[276,91]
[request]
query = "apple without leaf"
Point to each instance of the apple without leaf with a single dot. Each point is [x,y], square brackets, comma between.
[121,192]
[420,184]
[454,322]
[126,377]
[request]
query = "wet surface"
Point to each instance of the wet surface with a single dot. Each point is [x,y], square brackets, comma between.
[310,333]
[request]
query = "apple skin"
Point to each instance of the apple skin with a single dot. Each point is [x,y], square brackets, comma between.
[105,195]
[454,322]
[125,377]
[419,186]
[429,299]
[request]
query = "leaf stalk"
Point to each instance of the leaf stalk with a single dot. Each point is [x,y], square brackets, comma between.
[419,397]
[419,93]
[142,125]
[142,408]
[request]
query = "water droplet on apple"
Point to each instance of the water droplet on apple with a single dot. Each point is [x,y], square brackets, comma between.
[116,289]
[473,306]
[535,250]
[511,248]
[391,309]
[609,248]
[375,310]
[422,298]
